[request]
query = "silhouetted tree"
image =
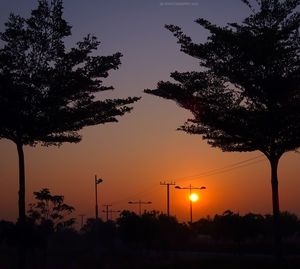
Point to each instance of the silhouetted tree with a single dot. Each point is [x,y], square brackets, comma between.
[47,216]
[289,224]
[172,234]
[232,226]
[228,226]
[50,211]
[246,96]
[153,230]
[48,93]
[129,224]
[97,231]
[204,226]
[253,225]
[7,233]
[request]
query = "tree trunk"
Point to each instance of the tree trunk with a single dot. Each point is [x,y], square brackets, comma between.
[22,212]
[276,211]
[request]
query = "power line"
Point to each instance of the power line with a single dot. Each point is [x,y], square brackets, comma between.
[233,168]
[136,194]
[212,172]
[226,168]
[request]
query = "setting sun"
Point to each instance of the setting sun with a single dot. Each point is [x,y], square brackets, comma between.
[194,197]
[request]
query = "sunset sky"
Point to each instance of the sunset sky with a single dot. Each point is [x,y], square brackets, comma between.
[144,148]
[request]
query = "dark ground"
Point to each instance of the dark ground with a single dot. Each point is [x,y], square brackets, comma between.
[145,259]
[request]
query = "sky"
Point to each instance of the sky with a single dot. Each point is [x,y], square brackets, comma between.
[143,149]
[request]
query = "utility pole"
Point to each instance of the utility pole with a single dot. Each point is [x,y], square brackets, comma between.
[106,211]
[110,211]
[168,184]
[140,203]
[82,216]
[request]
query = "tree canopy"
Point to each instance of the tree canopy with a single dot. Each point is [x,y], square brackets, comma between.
[246,95]
[48,92]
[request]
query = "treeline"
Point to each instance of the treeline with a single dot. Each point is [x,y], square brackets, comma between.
[50,225]
[232,226]
[151,230]
[154,230]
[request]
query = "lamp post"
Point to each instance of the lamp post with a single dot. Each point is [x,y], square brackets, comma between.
[191,202]
[97,181]
[140,203]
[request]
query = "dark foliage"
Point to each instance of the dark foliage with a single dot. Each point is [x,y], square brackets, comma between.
[153,230]
[50,211]
[7,233]
[232,226]
[97,232]
[159,241]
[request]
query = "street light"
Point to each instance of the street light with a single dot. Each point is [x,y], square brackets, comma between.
[191,202]
[140,205]
[97,181]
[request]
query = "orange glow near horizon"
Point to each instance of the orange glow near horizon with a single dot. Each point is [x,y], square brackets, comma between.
[70,171]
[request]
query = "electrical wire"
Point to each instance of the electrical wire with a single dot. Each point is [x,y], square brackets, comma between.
[212,172]
[221,168]
[224,169]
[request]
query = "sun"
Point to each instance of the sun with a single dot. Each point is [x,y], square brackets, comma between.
[194,197]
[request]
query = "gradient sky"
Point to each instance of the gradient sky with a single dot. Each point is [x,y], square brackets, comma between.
[144,148]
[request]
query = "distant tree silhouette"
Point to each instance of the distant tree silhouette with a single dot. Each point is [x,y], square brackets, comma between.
[172,234]
[290,224]
[49,93]
[49,215]
[98,230]
[50,211]
[246,96]
[153,230]
[228,226]
[7,233]
[129,224]
[253,225]
[232,226]
[235,227]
